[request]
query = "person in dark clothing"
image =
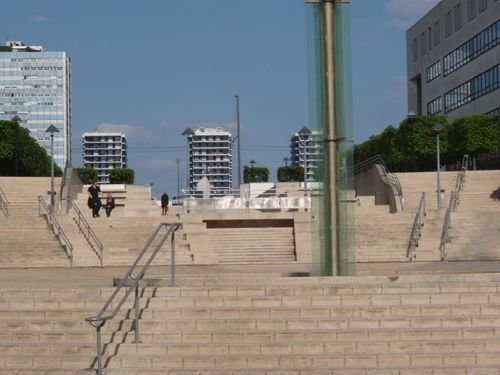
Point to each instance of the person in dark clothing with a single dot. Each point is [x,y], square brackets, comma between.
[164,203]
[94,191]
[110,204]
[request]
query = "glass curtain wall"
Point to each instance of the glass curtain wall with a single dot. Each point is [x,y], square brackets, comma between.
[331,114]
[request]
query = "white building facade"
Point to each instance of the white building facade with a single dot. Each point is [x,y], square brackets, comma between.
[210,156]
[35,86]
[104,152]
[306,151]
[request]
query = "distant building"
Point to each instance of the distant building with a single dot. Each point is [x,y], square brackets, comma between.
[305,149]
[35,86]
[210,155]
[104,152]
[453,59]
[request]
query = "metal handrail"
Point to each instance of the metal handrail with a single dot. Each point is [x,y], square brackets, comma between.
[391,178]
[446,226]
[88,233]
[459,183]
[43,209]
[454,200]
[4,203]
[416,231]
[133,280]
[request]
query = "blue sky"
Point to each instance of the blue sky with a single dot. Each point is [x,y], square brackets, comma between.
[151,68]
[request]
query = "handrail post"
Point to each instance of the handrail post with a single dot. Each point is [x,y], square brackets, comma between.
[172,259]
[99,354]
[137,308]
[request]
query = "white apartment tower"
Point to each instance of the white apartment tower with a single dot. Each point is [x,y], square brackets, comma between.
[35,89]
[209,155]
[305,151]
[104,152]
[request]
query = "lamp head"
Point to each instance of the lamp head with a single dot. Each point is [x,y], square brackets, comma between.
[437,128]
[52,129]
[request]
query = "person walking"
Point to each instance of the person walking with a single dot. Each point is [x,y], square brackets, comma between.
[164,203]
[110,204]
[94,199]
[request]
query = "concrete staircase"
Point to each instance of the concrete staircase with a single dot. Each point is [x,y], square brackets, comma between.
[125,233]
[411,325]
[22,193]
[27,242]
[26,238]
[124,238]
[475,224]
[254,245]
[414,184]
[383,237]
[379,235]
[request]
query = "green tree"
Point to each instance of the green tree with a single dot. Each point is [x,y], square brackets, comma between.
[411,147]
[32,159]
[474,136]
[121,176]
[87,175]
[290,173]
[255,174]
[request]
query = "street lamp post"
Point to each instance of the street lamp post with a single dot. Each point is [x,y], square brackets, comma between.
[286,160]
[178,160]
[52,129]
[436,129]
[239,137]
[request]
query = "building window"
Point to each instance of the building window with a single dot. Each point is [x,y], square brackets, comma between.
[423,47]
[471,10]
[448,25]
[429,38]
[434,107]
[458,16]
[437,34]
[478,86]
[474,47]
[415,49]
[483,5]
[434,71]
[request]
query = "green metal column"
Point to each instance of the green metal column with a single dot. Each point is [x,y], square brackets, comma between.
[330,113]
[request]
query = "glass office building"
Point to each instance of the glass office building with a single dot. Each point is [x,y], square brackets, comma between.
[35,87]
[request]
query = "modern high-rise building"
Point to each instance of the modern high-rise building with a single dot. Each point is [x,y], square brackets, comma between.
[453,59]
[210,155]
[35,86]
[305,150]
[104,152]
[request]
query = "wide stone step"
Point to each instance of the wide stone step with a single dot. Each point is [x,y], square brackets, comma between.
[425,369]
[336,361]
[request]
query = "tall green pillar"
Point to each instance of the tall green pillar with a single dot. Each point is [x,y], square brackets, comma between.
[330,113]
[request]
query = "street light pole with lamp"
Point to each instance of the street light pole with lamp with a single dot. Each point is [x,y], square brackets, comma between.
[436,129]
[178,160]
[52,129]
